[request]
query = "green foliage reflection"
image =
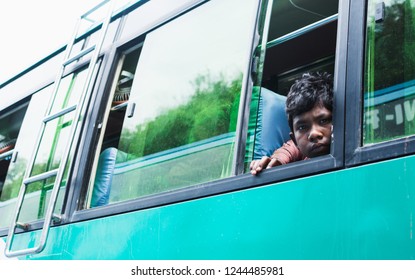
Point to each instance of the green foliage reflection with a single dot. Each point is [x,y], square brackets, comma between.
[391,46]
[390,73]
[210,111]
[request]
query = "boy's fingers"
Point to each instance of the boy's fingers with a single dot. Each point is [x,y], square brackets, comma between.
[272,163]
[256,166]
[263,163]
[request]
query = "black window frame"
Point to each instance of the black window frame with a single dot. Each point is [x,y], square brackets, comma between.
[355,152]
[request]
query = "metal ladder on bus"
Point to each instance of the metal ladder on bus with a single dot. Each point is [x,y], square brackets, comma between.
[59,172]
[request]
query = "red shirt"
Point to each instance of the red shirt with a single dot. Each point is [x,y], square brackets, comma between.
[289,152]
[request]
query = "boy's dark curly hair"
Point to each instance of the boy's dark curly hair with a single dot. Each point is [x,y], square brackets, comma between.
[307,92]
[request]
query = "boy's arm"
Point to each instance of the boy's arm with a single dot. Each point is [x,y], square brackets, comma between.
[283,155]
[289,152]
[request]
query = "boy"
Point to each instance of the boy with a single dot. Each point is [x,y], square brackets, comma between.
[309,108]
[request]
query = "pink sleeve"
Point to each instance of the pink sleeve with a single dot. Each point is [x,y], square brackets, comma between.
[287,153]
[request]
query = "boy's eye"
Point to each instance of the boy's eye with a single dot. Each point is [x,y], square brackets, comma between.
[325,121]
[301,127]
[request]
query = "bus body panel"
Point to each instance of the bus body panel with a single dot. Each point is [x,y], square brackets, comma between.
[358,213]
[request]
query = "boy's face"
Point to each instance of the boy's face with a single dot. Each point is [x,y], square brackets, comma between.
[312,131]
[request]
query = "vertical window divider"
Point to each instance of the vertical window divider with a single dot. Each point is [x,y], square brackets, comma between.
[248,83]
[354,81]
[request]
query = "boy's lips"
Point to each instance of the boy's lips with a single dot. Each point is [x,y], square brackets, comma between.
[319,147]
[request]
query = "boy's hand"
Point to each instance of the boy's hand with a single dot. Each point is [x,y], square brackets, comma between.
[265,162]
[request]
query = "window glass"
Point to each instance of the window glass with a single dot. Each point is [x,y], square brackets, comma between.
[149,14]
[24,146]
[186,93]
[389,81]
[56,134]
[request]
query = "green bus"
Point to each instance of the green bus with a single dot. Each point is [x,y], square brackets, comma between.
[134,140]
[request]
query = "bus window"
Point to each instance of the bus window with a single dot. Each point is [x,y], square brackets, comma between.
[119,96]
[47,157]
[180,122]
[10,124]
[389,78]
[301,38]
[23,148]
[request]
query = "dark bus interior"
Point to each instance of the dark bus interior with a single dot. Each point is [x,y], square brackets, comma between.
[302,38]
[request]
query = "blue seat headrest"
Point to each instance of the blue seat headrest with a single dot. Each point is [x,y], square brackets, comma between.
[272,129]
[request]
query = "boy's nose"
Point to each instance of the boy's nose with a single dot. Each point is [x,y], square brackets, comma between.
[315,135]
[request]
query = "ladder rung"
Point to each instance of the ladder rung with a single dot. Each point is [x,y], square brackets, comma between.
[79,55]
[88,19]
[40,177]
[85,15]
[60,113]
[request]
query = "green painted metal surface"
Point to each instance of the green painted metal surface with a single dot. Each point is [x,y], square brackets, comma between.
[358,213]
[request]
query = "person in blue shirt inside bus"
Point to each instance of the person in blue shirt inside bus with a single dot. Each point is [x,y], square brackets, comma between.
[309,108]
